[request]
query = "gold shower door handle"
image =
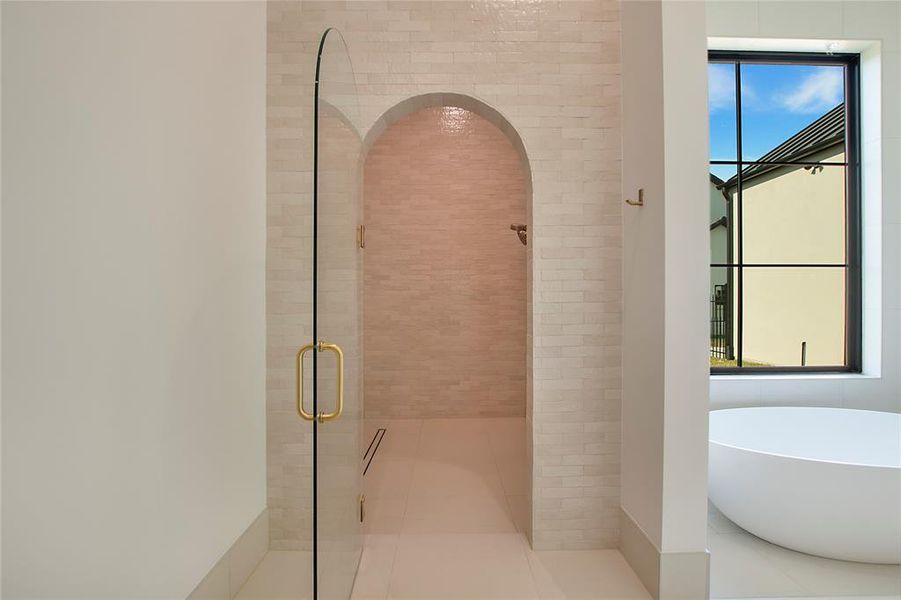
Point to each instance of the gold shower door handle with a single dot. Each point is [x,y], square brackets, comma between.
[299,378]
[339,407]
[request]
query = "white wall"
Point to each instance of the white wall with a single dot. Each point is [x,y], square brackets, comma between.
[664,467]
[686,304]
[1,308]
[133,293]
[874,29]
[643,269]
[665,287]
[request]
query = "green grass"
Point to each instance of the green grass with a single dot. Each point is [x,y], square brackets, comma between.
[724,362]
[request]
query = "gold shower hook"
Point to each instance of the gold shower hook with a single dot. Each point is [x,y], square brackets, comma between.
[639,202]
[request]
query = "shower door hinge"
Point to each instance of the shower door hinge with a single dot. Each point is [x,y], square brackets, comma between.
[361,236]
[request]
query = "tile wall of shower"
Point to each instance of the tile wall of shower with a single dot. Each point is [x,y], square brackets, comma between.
[553,70]
[445,327]
[444,298]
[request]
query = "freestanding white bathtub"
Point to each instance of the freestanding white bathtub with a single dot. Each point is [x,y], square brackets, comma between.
[824,481]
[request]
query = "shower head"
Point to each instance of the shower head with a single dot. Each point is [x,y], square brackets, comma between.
[520,232]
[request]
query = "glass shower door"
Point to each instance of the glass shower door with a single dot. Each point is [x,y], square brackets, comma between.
[337,324]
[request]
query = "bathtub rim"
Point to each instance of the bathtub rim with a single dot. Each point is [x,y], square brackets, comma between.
[804,458]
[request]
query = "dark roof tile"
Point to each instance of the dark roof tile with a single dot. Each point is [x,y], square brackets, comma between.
[823,133]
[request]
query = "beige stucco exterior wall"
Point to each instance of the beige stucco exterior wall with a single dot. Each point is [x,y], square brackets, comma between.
[786,307]
[719,237]
[795,215]
[553,70]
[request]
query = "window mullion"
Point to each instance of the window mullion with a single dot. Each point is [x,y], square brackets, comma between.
[739,304]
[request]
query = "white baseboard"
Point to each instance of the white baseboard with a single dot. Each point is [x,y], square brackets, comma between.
[229,574]
[667,575]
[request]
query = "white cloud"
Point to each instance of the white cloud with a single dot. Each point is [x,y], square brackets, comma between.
[721,89]
[721,86]
[819,91]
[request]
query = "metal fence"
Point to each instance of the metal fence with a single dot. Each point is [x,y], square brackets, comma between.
[720,327]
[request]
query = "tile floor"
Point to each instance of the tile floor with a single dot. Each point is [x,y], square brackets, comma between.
[747,567]
[446,507]
[281,575]
[447,476]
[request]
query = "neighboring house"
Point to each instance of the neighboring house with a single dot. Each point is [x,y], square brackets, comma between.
[791,214]
[719,221]
[721,312]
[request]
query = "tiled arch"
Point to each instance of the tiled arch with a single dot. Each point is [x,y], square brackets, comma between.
[438,99]
[463,175]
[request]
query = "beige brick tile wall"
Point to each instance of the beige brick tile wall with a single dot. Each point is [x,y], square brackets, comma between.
[445,277]
[552,68]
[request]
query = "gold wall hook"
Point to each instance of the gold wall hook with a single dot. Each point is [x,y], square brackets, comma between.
[639,202]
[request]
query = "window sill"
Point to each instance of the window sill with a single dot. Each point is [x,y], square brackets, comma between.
[795,377]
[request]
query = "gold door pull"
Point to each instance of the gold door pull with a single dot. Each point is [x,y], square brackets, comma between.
[299,378]
[322,417]
[339,407]
[639,202]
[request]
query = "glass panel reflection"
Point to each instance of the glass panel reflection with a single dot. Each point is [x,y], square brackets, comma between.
[793,317]
[722,110]
[789,111]
[723,228]
[794,215]
[723,325]
[338,277]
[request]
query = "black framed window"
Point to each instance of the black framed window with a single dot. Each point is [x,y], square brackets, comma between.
[785,293]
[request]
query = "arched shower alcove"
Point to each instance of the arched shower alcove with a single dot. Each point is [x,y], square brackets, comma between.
[446,316]
[451,100]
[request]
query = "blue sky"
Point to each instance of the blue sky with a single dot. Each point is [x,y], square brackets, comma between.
[777,102]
